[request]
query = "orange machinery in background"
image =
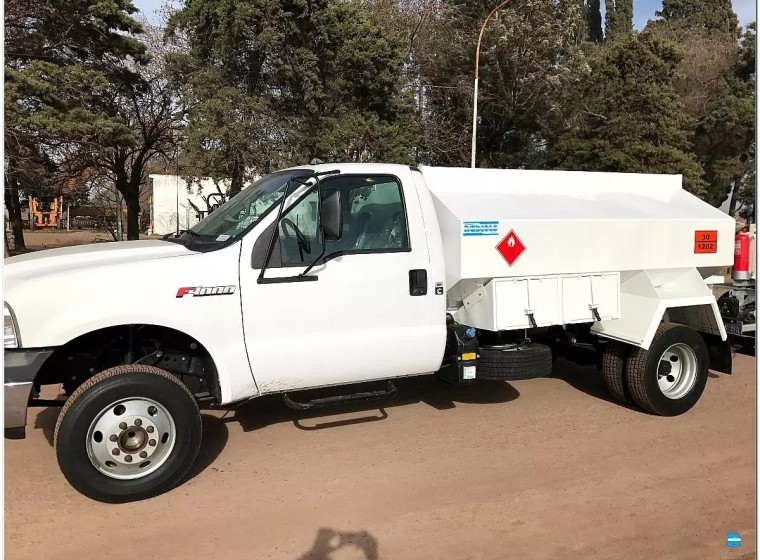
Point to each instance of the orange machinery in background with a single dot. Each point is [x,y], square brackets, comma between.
[40,218]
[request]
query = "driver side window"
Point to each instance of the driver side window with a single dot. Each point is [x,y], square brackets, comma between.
[299,234]
[374,218]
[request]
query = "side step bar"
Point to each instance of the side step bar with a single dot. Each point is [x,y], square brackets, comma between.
[366,396]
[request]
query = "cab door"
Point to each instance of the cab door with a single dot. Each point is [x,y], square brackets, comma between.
[368,315]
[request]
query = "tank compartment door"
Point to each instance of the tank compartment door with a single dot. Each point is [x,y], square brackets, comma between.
[590,297]
[522,303]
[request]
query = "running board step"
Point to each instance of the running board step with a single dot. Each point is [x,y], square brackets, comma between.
[367,396]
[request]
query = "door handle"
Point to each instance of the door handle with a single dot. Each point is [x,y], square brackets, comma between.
[418,282]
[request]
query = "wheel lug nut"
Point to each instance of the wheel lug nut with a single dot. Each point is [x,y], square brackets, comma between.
[152,443]
[138,422]
[128,458]
[116,452]
[149,429]
[143,454]
[123,426]
[113,437]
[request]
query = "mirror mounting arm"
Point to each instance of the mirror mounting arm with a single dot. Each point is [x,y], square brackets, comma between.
[270,249]
[314,263]
[324,241]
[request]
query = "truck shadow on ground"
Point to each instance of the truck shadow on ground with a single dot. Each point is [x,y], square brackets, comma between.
[351,545]
[264,411]
[583,375]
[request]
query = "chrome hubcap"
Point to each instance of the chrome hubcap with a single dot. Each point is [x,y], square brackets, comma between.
[131,438]
[677,371]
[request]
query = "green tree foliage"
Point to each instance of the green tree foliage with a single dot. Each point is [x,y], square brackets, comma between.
[709,15]
[725,134]
[627,116]
[146,107]
[304,79]
[256,85]
[717,88]
[594,21]
[530,54]
[60,58]
[618,18]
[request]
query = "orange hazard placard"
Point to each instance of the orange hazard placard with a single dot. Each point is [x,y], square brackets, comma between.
[706,241]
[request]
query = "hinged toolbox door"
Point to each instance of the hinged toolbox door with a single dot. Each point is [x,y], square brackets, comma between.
[583,294]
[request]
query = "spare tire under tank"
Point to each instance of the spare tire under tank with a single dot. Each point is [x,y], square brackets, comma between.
[507,362]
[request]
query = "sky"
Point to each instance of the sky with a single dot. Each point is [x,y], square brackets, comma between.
[643,10]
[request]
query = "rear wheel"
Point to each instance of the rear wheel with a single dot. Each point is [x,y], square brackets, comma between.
[128,433]
[613,370]
[669,378]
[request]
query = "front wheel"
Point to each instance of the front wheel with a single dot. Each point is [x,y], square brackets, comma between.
[669,378]
[128,433]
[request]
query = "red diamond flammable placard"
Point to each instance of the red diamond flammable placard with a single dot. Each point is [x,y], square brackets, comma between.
[510,247]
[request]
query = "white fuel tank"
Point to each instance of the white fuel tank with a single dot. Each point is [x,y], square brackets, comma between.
[521,224]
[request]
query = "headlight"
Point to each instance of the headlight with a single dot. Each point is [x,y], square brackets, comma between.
[10,337]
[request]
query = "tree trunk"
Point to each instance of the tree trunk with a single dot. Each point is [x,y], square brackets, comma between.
[236,184]
[133,217]
[14,212]
[119,219]
[130,191]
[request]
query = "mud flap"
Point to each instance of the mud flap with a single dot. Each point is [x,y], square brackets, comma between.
[719,351]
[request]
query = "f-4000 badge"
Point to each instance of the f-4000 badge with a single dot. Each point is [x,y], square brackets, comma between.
[198,291]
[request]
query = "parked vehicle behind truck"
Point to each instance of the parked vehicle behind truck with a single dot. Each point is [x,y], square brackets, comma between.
[361,273]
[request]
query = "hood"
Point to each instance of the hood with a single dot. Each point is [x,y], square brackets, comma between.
[40,263]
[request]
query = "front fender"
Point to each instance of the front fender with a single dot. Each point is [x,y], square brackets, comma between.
[54,309]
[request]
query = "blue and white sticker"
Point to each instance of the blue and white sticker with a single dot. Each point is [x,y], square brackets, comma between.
[480,228]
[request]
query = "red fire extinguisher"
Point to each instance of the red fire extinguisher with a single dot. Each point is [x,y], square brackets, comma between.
[741,257]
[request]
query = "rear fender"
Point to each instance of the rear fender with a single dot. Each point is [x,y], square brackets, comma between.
[720,353]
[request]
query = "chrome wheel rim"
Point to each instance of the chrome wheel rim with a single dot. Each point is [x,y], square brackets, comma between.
[131,438]
[677,371]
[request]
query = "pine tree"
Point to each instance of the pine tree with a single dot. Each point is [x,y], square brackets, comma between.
[306,79]
[594,21]
[60,57]
[627,116]
[710,15]
[725,134]
[618,18]
[529,57]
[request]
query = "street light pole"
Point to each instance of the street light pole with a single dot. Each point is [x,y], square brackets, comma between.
[475,92]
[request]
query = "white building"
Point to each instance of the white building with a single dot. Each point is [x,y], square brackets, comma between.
[171,193]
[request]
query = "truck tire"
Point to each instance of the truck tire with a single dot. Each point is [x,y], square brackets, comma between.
[669,378]
[613,370]
[128,433]
[508,362]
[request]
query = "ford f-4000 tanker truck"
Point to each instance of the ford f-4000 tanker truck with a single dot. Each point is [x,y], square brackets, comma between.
[340,274]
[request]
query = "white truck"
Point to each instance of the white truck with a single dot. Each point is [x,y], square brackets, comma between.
[357,273]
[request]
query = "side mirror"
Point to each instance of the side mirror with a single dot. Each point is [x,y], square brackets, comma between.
[331,216]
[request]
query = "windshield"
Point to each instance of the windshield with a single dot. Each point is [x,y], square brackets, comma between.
[233,217]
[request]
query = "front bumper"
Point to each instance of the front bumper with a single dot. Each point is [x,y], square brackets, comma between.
[21,367]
